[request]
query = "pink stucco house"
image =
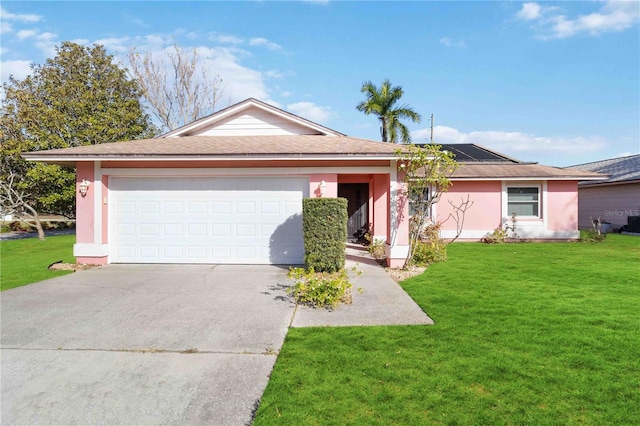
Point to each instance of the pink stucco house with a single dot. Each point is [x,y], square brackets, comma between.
[228,189]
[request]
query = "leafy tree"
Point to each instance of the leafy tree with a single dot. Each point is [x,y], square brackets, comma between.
[382,102]
[426,171]
[80,97]
[177,86]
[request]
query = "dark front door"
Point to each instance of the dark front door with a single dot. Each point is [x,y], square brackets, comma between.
[357,195]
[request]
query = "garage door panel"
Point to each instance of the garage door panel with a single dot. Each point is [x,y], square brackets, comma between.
[172,229]
[207,220]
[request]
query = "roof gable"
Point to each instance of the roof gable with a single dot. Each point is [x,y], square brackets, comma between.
[251,117]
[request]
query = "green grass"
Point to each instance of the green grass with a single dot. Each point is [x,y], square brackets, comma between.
[25,261]
[545,334]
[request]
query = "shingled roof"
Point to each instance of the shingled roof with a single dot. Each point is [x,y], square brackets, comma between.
[619,170]
[223,147]
[515,171]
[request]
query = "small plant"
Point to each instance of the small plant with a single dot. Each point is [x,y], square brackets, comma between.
[377,249]
[503,233]
[593,235]
[319,289]
[431,248]
[511,228]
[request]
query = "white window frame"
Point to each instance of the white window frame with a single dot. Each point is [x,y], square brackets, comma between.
[511,185]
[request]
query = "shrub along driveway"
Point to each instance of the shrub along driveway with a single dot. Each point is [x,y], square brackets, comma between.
[134,344]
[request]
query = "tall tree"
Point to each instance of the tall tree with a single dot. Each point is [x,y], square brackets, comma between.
[179,88]
[79,97]
[382,101]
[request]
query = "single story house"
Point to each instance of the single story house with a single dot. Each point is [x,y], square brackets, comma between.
[228,188]
[614,198]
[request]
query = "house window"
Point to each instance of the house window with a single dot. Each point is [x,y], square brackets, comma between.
[524,201]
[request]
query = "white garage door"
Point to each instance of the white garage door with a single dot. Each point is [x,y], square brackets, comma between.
[206,220]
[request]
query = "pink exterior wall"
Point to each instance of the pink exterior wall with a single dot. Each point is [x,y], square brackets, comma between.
[486,212]
[562,205]
[331,188]
[105,209]
[379,194]
[402,219]
[380,206]
[84,205]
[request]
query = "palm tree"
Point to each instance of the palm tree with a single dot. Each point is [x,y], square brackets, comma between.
[382,102]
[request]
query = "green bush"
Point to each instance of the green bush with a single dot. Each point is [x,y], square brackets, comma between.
[431,249]
[319,289]
[324,224]
[498,236]
[592,236]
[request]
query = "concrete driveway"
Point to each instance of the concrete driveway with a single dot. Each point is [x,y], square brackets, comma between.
[165,344]
[142,344]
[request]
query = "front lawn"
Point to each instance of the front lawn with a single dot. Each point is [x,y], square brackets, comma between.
[525,334]
[25,261]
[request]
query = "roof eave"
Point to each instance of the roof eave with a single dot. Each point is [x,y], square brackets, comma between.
[520,178]
[181,158]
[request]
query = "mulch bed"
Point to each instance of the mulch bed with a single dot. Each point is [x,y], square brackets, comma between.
[60,266]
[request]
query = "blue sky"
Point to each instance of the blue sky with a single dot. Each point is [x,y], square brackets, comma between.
[551,82]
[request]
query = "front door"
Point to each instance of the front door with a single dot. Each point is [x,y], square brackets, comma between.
[357,195]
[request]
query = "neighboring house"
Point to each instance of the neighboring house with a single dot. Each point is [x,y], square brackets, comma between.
[228,188]
[614,198]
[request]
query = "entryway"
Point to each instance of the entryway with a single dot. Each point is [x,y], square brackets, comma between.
[357,194]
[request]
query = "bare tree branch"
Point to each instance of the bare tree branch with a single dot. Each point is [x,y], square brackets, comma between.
[176,86]
[14,201]
[458,214]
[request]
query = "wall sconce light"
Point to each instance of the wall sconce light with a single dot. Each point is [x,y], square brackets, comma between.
[323,187]
[84,187]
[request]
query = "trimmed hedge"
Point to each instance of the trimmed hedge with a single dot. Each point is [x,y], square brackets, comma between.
[324,224]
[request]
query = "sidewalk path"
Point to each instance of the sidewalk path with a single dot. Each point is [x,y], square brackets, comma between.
[380,301]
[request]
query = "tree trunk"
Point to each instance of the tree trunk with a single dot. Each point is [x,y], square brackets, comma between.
[383,129]
[39,228]
[36,218]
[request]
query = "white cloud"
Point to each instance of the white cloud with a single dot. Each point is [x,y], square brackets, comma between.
[46,42]
[529,11]
[260,41]
[239,82]
[225,38]
[5,15]
[311,111]
[116,45]
[274,74]
[18,68]
[22,34]
[512,142]
[446,41]
[5,27]
[613,15]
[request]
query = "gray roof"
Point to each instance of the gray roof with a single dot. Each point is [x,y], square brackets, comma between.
[621,169]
